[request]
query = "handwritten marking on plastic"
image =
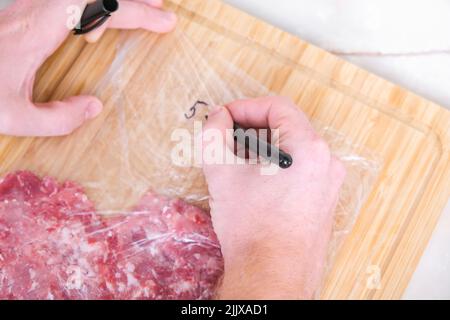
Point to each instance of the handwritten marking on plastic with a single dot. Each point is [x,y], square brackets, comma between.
[193,109]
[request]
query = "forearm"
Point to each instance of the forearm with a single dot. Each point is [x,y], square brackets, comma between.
[272,270]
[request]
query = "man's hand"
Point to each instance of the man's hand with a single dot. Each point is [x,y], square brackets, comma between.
[30,31]
[274,230]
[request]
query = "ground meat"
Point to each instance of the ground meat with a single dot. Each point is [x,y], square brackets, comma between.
[54,246]
[166,249]
[45,248]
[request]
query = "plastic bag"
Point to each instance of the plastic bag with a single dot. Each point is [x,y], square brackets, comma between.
[107,235]
[54,245]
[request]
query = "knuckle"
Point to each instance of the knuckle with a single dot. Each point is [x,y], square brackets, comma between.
[283,100]
[338,169]
[320,149]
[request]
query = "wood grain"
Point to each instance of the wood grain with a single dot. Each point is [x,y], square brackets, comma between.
[411,135]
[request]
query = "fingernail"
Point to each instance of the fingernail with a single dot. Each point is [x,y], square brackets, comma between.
[93,109]
[215,110]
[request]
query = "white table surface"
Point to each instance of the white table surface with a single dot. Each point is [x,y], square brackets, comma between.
[404,41]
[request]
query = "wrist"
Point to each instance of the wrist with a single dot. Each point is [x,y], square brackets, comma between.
[272,264]
[268,272]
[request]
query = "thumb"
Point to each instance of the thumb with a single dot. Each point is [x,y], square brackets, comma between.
[59,118]
[218,144]
[219,118]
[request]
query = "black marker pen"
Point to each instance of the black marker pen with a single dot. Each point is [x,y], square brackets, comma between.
[95,14]
[262,148]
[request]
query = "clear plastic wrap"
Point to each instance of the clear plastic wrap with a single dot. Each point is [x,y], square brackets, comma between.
[362,168]
[55,245]
[107,235]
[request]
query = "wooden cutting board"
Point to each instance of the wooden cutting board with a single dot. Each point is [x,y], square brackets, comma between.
[410,135]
